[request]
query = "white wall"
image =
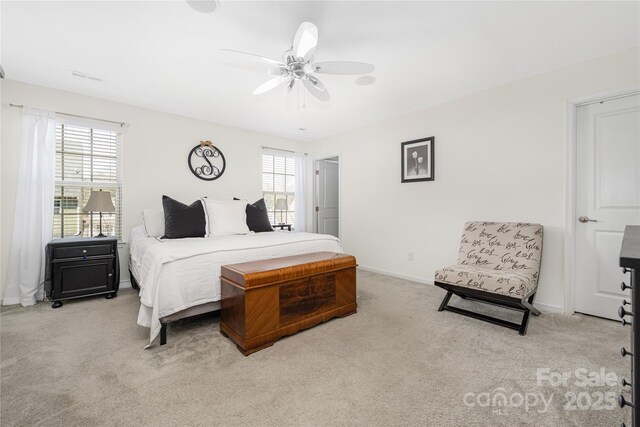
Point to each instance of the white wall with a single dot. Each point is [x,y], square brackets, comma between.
[499,155]
[156,146]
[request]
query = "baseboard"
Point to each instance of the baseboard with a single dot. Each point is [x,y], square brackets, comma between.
[398,275]
[547,308]
[124,284]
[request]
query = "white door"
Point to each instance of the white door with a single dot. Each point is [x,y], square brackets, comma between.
[327,196]
[607,199]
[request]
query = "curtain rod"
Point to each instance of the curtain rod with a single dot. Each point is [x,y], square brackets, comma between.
[280,149]
[122,124]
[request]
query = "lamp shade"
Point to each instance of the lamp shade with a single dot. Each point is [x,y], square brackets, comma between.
[281,205]
[100,201]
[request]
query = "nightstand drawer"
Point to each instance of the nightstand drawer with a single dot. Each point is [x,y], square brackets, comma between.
[82,251]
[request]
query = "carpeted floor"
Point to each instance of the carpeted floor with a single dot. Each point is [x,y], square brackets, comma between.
[397,362]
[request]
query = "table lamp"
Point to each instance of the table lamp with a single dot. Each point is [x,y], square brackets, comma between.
[100,201]
[281,205]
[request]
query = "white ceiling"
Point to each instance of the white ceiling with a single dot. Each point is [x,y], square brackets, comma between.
[165,56]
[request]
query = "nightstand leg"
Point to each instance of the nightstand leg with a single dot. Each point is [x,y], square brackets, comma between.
[111,295]
[56,304]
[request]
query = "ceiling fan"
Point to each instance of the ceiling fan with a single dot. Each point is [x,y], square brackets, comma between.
[297,65]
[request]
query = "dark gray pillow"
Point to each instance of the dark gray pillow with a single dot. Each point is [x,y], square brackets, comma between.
[182,221]
[257,216]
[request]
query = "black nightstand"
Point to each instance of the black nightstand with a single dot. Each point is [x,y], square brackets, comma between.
[282,226]
[81,267]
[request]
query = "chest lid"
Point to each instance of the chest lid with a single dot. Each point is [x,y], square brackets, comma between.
[257,273]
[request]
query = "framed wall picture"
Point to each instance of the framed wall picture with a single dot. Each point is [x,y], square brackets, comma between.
[418,160]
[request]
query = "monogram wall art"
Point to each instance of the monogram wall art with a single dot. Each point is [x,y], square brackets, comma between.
[206,161]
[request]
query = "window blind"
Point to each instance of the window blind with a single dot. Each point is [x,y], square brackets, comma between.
[87,158]
[278,182]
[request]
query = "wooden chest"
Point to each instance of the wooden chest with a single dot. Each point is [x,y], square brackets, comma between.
[265,300]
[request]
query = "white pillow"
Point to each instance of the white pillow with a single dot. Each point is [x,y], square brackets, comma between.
[206,216]
[153,220]
[226,217]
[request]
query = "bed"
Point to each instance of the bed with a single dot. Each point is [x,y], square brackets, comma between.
[179,278]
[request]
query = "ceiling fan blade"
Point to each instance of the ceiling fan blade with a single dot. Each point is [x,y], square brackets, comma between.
[343,67]
[305,41]
[277,71]
[254,57]
[316,88]
[270,84]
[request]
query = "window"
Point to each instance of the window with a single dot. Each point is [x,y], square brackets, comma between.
[279,183]
[87,159]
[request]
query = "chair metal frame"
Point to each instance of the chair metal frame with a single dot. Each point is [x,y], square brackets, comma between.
[524,305]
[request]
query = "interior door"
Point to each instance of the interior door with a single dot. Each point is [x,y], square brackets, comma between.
[327,196]
[607,199]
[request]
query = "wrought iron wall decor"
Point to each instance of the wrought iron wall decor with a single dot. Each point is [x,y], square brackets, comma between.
[206,161]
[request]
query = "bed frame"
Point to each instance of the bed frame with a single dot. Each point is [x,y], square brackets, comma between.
[196,310]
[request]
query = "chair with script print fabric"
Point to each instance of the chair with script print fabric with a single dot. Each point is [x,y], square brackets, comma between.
[498,263]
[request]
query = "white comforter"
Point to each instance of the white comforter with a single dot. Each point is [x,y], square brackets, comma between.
[177,274]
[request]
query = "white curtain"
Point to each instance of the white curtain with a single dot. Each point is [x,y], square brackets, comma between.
[301,194]
[33,218]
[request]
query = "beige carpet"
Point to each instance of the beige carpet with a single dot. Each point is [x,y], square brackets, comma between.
[397,362]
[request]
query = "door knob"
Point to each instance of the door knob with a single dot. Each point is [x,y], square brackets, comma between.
[624,402]
[584,219]
[622,312]
[624,352]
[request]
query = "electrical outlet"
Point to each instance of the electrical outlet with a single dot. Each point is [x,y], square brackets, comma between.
[410,256]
